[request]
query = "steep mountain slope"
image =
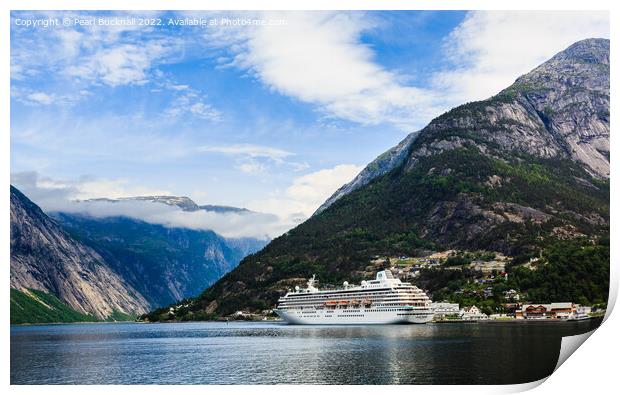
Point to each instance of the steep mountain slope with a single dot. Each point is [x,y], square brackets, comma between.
[567,95]
[45,258]
[516,173]
[383,164]
[163,264]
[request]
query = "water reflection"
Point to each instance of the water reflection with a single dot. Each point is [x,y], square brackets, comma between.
[271,353]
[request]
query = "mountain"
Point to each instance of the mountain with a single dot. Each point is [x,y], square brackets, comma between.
[164,264]
[383,164]
[544,98]
[182,202]
[58,276]
[525,173]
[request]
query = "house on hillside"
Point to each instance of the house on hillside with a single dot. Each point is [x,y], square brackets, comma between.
[512,295]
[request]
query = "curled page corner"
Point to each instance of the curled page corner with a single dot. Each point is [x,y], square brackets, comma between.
[569,345]
[518,388]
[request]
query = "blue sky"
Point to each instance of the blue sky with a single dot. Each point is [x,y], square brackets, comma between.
[274,118]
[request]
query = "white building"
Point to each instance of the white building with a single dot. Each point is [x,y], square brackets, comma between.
[442,309]
[472,314]
[581,313]
[512,295]
[583,309]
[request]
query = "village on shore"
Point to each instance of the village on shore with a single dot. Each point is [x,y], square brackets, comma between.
[559,311]
[490,270]
[446,312]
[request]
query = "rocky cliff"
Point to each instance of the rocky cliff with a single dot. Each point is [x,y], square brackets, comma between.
[46,258]
[164,264]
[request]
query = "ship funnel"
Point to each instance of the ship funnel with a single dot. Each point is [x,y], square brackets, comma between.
[385,275]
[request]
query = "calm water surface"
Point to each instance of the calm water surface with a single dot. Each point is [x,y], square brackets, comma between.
[274,353]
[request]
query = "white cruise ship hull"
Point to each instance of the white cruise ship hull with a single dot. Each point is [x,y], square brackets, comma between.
[385,300]
[339,317]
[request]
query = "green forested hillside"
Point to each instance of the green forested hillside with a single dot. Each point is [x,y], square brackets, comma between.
[575,270]
[568,270]
[41,307]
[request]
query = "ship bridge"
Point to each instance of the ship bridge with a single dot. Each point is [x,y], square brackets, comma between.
[384,278]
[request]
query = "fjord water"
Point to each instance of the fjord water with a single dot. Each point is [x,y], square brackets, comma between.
[274,353]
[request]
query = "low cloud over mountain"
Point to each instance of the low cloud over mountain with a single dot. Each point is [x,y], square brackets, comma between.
[65,197]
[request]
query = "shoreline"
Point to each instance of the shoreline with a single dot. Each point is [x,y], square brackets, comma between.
[490,321]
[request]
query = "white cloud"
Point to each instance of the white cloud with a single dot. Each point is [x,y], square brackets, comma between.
[190,101]
[104,55]
[70,43]
[179,87]
[137,140]
[251,167]
[233,225]
[250,151]
[490,49]
[68,137]
[119,65]
[110,55]
[300,166]
[40,98]
[115,189]
[272,217]
[53,194]
[305,194]
[205,111]
[317,57]
[314,188]
[252,159]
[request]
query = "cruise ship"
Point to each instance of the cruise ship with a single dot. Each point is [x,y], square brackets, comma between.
[384,300]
